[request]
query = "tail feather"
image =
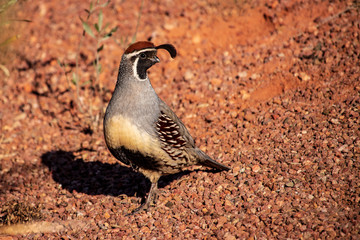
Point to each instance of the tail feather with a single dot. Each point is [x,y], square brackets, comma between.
[207,161]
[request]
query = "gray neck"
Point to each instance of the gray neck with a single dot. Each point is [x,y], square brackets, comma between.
[134,99]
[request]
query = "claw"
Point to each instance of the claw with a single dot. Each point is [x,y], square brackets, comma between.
[151,198]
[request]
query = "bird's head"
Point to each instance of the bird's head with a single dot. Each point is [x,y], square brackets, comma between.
[142,55]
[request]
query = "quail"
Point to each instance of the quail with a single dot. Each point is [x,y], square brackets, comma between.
[141,130]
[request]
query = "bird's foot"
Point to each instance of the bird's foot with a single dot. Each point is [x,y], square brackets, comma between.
[143,207]
[150,200]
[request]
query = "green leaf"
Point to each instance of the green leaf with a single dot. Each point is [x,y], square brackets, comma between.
[100,48]
[87,29]
[91,7]
[63,65]
[11,2]
[113,30]
[6,5]
[5,70]
[22,20]
[9,40]
[75,78]
[97,27]
[85,83]
[106,26]
[100,20]
[58,61]
[104,4]
[98,68]
[109,34]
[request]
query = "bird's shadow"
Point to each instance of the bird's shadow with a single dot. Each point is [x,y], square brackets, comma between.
[97,178]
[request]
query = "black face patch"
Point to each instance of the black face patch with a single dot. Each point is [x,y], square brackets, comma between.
[145,61]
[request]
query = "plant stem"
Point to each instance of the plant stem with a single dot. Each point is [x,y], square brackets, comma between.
[77,82]
[138,22]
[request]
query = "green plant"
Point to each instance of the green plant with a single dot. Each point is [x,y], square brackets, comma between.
[93,26]
[100,34]
[5,5]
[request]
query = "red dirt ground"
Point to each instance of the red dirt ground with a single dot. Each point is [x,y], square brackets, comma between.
[269,88]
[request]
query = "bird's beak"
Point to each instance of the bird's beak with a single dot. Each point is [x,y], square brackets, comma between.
[155,59]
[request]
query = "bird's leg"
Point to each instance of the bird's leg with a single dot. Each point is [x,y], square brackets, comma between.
[152,196]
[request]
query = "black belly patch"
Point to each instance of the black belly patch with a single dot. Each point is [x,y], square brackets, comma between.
[135,159]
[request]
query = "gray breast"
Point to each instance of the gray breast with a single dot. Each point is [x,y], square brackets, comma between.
[136,100]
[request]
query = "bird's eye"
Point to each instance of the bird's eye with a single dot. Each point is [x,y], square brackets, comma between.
[143,55]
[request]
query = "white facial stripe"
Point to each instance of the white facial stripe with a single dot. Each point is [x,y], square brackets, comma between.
[135,71]
[130,55]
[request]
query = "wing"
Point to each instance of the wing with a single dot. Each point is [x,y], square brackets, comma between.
[178,143]
[174,127]
[174,137]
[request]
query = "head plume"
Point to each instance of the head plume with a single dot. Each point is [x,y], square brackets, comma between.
[168,47]
[145,44]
